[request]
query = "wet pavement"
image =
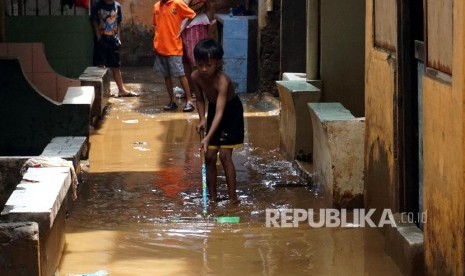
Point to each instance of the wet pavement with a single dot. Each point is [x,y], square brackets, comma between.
[144,170]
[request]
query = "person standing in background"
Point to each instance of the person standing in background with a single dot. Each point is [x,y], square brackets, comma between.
[193,32]
[168,16]
[106,16]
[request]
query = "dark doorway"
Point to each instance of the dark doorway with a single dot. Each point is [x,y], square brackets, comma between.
[410,38]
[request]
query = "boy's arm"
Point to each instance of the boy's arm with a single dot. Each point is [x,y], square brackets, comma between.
[200,100]
[220,106]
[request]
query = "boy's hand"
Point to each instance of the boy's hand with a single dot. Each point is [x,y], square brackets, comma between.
[203,140]
[200,127]
[204,145]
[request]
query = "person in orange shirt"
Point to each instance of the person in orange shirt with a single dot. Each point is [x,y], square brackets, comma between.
[168,16]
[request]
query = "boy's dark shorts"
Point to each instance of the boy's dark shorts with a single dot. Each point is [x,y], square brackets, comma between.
[230,132]
[107,52]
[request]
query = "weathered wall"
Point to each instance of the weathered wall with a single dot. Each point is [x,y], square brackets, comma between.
[342,53]
[443,148]
[443,161]
[269,50]
[293,36]
[379,124]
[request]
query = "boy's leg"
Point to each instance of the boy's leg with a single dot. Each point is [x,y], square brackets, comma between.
[114,62]
[230,172]
[169,88]
[122,91]
[119,81]
[210,163]
[99,54]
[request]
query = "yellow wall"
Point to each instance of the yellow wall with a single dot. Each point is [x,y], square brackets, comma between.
[443,139]
[379,113]
[443,148]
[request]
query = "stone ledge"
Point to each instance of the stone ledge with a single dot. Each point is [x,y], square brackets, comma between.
[19,248]
[71,148]
[295,126]
[404,244]
[99,78]
[79,95]
[305,170]
[338,153]
[39,196]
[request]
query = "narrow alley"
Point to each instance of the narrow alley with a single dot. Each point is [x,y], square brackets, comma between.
[144,168]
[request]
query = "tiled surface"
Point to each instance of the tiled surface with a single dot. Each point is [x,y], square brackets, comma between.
[65,147]
[237,26]
[46,84]
[64,37]
[79,95]
[3,49]
[238,36]
[235,67]
[33,114]
[40,63]
[235,48]
[24,52]
[63,84]
[38,70]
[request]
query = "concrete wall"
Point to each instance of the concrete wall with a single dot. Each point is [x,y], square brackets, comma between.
[443,161]
[70,38]
[10,168]
[293,43]
[269,45]
[29,119]
[20,249]
[380,190]
[342,29]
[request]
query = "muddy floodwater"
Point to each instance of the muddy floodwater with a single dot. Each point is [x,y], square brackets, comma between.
[144,174]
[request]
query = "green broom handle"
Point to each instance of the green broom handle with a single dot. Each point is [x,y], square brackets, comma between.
[204,175]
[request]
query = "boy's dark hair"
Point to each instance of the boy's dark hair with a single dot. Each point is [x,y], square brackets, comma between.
[208,49]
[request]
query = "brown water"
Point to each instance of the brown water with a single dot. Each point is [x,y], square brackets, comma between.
[145,171]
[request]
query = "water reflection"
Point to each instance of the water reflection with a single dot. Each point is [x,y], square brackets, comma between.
[145,171]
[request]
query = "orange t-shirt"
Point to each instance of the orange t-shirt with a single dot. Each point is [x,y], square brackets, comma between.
[167,20]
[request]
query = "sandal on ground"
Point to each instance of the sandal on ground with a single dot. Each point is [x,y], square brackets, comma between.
[129,94]
[170,106]
[188,108]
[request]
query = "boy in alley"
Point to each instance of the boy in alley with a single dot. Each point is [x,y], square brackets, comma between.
[168,16]
[225,118]
[106,16]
